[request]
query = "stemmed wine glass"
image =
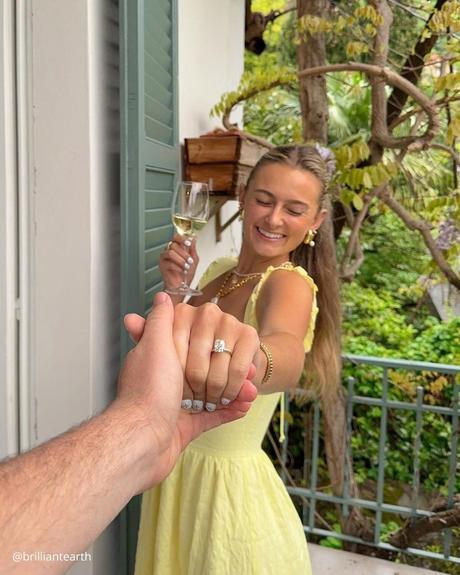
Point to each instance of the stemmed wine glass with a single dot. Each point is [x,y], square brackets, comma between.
[190,212]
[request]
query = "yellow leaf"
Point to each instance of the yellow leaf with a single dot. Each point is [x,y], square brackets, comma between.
[367,180]
[358,202]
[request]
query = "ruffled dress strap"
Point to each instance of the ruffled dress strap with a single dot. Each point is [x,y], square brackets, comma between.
[250,317]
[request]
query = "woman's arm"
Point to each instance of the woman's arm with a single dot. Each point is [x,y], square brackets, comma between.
[283,311]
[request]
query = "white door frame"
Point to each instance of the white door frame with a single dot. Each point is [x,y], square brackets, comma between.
[9,333]
[15,228]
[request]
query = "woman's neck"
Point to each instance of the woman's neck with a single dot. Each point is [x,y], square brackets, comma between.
[253,263]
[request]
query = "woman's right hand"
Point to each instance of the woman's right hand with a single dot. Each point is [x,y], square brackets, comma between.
[179,256]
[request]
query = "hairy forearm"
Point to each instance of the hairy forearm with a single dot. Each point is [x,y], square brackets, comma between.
[61,495]
[288,359]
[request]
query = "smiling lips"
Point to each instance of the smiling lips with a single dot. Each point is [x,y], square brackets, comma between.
[269,235]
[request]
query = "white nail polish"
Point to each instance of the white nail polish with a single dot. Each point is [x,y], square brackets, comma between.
[186,266]
[187,243]
[186,404]
[198,405]
[211,406]
[225,401]
[190,260]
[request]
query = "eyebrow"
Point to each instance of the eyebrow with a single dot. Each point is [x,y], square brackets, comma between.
[297,202]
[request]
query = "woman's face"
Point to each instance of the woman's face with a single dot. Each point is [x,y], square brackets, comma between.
[280,205]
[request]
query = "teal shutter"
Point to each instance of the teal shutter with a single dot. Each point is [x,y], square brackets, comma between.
[150,151]
[149,169]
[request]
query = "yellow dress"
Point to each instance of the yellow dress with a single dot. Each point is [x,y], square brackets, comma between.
[224,510]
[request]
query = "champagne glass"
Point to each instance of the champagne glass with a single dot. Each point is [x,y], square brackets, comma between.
[190,212]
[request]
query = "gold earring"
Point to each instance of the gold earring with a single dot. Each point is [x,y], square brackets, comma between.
[241,214]
[309,238]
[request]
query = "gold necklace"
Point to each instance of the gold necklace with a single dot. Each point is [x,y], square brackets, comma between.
[240,275]
[224,290]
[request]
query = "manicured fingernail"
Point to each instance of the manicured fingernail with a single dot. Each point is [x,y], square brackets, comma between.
[211,406]
[190,260]
[225,401]
[186,404]
[187,243]
[186,266]
[198,405]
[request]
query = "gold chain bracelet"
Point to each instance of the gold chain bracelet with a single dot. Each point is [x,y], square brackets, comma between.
[269,368]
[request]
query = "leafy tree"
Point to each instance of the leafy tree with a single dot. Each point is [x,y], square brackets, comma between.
[403,61]
[378,81]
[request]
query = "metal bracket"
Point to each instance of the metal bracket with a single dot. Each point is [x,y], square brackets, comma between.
[216,204]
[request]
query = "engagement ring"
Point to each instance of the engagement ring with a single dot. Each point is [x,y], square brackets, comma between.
[219,347]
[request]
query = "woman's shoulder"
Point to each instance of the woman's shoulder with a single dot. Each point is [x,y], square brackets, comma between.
[285,275]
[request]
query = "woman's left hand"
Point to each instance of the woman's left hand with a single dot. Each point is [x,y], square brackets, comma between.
[211,379]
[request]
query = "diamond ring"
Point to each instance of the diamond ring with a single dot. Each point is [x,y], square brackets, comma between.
[169,245]
[219,347]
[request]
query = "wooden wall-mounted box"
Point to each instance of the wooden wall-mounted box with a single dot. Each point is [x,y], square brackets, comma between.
[226,160]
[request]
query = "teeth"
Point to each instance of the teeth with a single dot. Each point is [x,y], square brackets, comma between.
[269,234]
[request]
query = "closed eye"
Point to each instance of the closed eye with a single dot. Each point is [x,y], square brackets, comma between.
[294,213]
[261,203]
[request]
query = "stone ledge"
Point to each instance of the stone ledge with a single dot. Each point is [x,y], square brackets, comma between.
[326,561]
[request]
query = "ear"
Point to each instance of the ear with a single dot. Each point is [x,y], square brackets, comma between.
[241,194]
[319,219]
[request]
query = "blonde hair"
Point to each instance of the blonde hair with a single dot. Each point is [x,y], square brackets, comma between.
[323,365]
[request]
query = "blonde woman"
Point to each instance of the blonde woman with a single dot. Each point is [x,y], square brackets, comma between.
[224,510]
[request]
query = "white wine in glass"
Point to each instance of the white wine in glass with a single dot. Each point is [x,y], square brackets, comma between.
[186,226]
[190,212]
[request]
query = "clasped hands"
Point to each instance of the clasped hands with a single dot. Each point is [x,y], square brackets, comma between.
[211,380]
[173,363]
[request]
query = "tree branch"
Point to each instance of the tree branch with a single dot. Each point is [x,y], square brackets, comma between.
[455,157]
[378,96]
[424,229]
[394,79]
[354,250]
[438,103]
[415,529]
[412,69]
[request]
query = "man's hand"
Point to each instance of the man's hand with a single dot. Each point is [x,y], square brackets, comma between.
[151,381]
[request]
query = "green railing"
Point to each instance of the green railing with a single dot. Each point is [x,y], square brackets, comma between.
[312,495]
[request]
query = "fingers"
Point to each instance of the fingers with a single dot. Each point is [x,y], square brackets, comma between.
[193,252]
[158,328]
[252,371]
[202,335]
[243,354]
[247,393]
[183,321]
[134,325]
[212,380]
[176,256]
[192,426]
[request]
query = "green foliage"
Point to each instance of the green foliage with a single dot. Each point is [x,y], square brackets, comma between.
[384,310]
[395,259]
[446,20]
[275,116]
[255,83]
[379,321]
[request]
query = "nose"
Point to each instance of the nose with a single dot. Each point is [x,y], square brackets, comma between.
[275,217]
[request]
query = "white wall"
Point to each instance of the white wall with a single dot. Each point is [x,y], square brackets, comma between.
[75,258]
[211,50]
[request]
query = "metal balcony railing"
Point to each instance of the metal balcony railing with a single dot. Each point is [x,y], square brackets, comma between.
[312,494]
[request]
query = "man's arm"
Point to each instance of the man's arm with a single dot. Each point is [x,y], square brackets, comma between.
[61,495]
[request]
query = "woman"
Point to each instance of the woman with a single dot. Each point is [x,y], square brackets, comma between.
[223,509]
